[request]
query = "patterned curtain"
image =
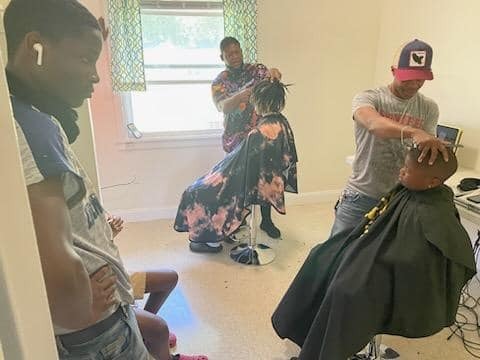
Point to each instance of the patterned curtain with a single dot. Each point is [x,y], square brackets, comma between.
[240,19]
[125,23]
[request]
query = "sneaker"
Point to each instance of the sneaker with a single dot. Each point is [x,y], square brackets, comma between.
[385,353]
[204,248]
[270,228]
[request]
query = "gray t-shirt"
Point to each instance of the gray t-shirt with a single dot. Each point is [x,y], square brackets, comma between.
[45,152]
[378,161]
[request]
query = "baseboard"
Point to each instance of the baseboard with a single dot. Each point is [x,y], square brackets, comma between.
[145,214]
[148,214]
[315,197]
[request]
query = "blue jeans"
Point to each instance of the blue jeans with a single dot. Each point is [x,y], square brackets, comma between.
[350,210]
[121,342]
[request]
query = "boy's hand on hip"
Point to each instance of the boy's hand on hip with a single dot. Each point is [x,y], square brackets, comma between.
[103,284]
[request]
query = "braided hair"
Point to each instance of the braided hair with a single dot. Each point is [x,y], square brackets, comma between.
[268,96]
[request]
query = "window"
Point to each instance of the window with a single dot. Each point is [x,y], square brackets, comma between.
[180,42]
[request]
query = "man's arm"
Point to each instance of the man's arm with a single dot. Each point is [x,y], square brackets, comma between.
[66,279]
[233,102]
[386,128]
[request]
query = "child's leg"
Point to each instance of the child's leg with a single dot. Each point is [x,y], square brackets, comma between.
[155,335]
[155,332]
[159,284]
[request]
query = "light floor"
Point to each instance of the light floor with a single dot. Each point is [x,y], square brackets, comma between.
[222,309]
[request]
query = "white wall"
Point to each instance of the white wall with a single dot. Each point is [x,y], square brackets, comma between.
[324,47]
[452,28]
[327,49]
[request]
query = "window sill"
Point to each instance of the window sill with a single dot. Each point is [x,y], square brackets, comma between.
[173,140]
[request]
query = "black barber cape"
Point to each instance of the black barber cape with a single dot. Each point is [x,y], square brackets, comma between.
[400,272]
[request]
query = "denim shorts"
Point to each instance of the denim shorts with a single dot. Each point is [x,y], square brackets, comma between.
[350,210]
[121,342]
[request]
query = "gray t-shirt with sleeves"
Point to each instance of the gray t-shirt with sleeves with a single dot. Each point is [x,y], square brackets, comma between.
[377,161]
[45,153]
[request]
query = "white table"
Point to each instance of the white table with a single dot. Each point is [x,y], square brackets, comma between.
[469,211]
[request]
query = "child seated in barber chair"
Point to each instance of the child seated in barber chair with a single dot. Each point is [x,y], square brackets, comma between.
[260,169]
[399,272]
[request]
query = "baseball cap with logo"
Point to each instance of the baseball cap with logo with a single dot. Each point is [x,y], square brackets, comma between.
[414,62]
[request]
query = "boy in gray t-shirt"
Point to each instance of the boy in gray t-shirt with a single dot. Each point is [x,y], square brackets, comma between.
[53,47]
[383,118]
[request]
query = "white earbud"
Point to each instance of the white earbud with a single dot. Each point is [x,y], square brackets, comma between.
[39,49]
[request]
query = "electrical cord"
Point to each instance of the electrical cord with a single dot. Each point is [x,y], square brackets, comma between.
[467,322]
[121,184]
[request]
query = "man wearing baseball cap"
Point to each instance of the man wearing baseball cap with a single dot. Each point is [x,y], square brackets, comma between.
[383,118]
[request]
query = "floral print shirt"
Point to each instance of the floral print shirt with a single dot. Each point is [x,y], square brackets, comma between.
[238,123]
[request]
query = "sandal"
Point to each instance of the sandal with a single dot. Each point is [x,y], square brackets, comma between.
[172,340]
[189,357]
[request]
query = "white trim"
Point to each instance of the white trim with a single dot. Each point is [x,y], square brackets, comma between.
[145,214]
[172,141]
[149,214]
[183,12]
[316,197]
[176,5]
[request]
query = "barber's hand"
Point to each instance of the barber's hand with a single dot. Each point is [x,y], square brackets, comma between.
[427,143]
[103,285]
[275,74]
[116,224]
[244,95]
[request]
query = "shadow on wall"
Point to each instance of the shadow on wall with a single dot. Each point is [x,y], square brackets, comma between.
[468,155]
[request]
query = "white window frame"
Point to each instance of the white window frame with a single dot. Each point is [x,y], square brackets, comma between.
[161,139]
